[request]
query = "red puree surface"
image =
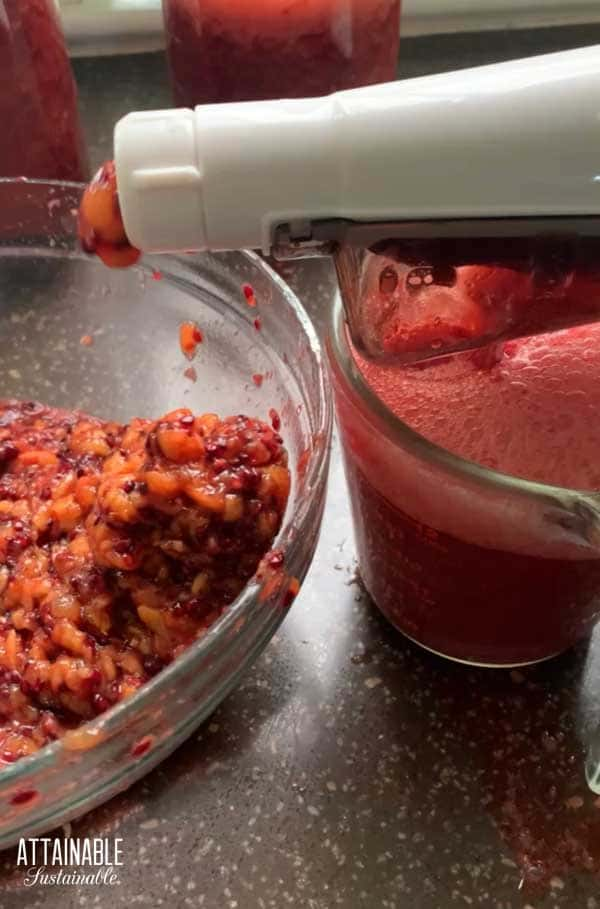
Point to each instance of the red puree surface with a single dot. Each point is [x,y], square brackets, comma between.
[533,413]
[530,411]
[243,50]
[120,546]
[38,102]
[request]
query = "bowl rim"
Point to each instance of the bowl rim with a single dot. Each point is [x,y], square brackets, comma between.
[289,537]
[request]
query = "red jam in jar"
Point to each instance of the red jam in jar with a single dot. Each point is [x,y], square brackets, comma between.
[469,566]
[241,50]
[38,100]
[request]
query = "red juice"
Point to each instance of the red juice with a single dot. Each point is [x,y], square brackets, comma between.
[462,566]
[243,50]
[38,100]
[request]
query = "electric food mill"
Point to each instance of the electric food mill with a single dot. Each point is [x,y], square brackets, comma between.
[460,208]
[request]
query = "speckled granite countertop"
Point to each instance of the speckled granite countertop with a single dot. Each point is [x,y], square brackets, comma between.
[350,768]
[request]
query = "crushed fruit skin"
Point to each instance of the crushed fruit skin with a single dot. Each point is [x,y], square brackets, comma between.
[119,546]
[189,338]
[249,294]
[100,225]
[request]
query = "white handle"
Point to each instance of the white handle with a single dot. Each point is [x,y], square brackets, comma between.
[512,139]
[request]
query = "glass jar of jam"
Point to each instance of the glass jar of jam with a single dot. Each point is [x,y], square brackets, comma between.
[244,50]
[38,100]
[474,487]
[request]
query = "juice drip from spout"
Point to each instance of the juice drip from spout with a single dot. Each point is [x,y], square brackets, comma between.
[413,300]
[531,410]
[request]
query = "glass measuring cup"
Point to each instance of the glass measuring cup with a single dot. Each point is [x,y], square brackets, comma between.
[472,563]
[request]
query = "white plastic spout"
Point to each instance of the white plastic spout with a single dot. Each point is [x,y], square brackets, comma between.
[513,139]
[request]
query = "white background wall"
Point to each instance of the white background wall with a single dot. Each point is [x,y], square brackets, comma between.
[111,26]
[430,16]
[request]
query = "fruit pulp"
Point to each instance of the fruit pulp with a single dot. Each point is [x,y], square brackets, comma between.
[119,547]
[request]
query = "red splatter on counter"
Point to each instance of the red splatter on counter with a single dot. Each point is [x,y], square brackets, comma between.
[528,761]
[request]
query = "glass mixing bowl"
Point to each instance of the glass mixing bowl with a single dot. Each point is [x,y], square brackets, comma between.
[52,296]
